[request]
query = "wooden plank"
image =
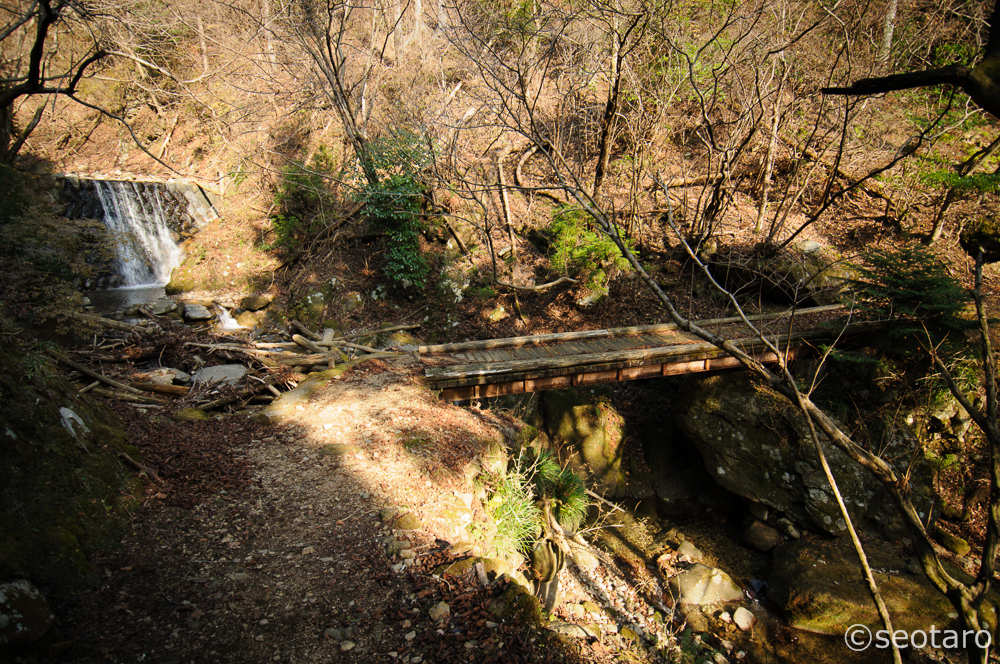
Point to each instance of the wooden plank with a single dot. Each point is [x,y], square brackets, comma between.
[553,383]
[617,331]
[558,371]
[602,345]
[520,353]
[594,377]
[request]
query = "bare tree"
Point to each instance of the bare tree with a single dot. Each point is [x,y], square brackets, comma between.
[34,63]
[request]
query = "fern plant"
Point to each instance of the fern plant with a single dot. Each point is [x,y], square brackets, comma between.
[578,248]
[910,286]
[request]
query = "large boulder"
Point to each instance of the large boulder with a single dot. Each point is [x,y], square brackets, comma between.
[821,588]
[757,445]
[701,584]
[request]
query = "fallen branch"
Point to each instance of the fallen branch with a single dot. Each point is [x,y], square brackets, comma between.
[451,229]
[141,469]
[348,337]
[367,349]
[245,393]
[93,374]
[162,388]
[305,330]
[542,287]
[307,344]
[134,398]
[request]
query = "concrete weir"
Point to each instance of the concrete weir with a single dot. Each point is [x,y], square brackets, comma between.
[149,219]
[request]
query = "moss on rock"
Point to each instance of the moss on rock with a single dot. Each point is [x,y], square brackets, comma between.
[518,606]
[63,494]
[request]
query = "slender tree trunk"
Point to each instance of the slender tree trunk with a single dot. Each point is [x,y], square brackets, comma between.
[610,111]
[765,185]
[888,30]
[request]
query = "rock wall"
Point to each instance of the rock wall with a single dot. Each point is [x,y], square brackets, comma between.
[756,445]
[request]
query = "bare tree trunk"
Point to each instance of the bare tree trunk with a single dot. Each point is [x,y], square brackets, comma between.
[610,110]
[765,185]
[888,30]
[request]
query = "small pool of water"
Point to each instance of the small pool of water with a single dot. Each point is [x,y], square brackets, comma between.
[116,299]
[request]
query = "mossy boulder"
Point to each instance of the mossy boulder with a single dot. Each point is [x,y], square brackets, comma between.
[256,301]
[311,308]
[25,616]
[193,274]
[593,433]
[820,586]
[518,606]
[190,415]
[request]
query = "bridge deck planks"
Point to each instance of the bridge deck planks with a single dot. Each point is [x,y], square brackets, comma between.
[519,364]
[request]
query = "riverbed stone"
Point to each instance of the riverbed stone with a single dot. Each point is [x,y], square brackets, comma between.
[439,612]
[701,584]
[255,302]
[197,312]
[25,616]
[222,373]
[744,619]
[250,319]
[162,306]
[761,536]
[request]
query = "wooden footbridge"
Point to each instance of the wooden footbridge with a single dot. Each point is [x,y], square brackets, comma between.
[495,367]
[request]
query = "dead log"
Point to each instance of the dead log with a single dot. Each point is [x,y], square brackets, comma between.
[355,335]
[305,330]
[134,398]
[307,344]
[246,393]
[104,322]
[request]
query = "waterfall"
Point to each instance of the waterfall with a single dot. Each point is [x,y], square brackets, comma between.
[135,216]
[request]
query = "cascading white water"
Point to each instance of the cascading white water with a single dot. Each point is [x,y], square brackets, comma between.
[146,251]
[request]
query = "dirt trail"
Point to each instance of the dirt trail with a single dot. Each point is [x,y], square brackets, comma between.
[285,555]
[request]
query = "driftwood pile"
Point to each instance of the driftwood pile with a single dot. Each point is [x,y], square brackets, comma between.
[274,365]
